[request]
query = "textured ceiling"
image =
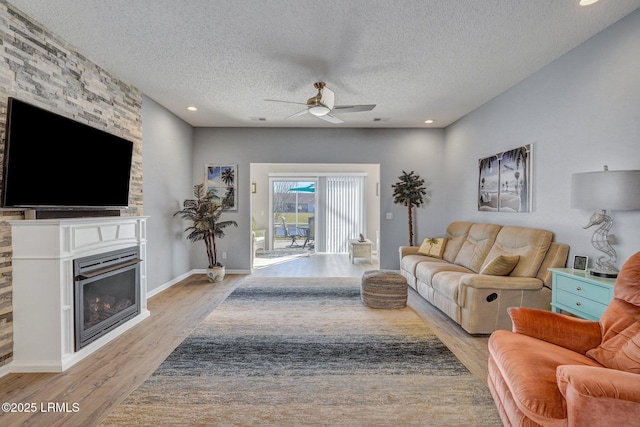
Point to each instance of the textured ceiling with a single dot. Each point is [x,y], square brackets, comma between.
[437,59]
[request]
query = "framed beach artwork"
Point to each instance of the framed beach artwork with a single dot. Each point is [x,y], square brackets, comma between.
[222,179]
[504,183]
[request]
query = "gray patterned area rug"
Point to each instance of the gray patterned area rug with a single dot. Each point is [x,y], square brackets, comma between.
[306,352]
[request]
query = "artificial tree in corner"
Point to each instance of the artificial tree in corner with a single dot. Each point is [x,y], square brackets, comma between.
[204,213]
[410,192]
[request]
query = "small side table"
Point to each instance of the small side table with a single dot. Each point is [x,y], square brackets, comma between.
[358,249]
[579,293]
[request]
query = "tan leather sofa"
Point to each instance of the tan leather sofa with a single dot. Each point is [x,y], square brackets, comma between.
[479,302]
[557,370]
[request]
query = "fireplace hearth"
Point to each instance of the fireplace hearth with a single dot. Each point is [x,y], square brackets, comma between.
[107,293]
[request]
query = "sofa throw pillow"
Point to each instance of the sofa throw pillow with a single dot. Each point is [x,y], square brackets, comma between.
[433,247]
[501,265]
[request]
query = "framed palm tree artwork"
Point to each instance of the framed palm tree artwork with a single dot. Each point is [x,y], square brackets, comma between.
[222,179]
[504,183]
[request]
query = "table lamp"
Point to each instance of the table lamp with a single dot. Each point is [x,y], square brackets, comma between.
[606,190]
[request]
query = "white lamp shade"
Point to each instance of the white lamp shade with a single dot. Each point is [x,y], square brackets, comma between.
[606,190]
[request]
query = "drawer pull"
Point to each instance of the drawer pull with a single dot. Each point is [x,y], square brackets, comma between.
[578,303]
[578,288]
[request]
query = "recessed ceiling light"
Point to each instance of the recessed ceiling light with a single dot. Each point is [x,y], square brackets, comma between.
[429,121]
[587,2]
[192,108]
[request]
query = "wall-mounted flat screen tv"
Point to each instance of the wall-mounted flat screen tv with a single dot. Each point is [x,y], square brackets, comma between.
[53,162]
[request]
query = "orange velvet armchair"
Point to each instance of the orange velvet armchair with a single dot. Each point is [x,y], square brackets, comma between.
[557,370]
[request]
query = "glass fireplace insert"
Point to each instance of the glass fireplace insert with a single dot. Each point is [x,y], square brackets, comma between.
[107,293]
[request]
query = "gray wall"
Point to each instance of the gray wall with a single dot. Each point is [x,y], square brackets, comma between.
[395,150]
[580,112]
[167,150]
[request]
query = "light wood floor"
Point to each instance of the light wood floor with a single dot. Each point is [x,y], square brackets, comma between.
[100,382]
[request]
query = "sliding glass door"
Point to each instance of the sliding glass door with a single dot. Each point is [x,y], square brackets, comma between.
[320,212]
[293,210]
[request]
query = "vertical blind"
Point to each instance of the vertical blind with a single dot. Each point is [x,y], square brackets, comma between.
[344,217]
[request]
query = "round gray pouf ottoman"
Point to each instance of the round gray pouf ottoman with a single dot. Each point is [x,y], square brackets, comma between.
[383,289]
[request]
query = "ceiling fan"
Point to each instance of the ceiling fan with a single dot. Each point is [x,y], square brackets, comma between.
[322,105]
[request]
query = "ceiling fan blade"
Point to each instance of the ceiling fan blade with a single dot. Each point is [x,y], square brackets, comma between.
[299,113]
[353,108]
[328,98]
[331,118]
[286,102]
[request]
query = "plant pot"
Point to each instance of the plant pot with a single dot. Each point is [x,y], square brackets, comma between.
[215,274]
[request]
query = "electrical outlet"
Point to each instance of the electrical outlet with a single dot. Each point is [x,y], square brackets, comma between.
[224,255]
[389,215]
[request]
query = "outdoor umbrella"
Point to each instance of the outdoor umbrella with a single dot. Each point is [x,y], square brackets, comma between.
[311,188]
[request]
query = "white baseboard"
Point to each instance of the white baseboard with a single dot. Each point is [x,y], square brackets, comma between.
[169,284]
[238,271]
[227,271]
[4,370]
[178,279]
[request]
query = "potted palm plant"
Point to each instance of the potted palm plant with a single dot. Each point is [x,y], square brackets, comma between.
[205,212]
[410,192]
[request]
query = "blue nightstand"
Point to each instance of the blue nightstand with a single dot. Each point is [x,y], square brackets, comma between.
[579,293]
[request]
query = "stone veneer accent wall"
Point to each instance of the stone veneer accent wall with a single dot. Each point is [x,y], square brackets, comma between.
[39,68]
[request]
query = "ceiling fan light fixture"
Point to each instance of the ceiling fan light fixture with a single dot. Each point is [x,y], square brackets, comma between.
[322,105]
[319,110]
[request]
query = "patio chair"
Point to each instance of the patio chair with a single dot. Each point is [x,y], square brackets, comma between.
[291,232]
[310,235]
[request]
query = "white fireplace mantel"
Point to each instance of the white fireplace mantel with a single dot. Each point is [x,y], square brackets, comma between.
[43,285]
